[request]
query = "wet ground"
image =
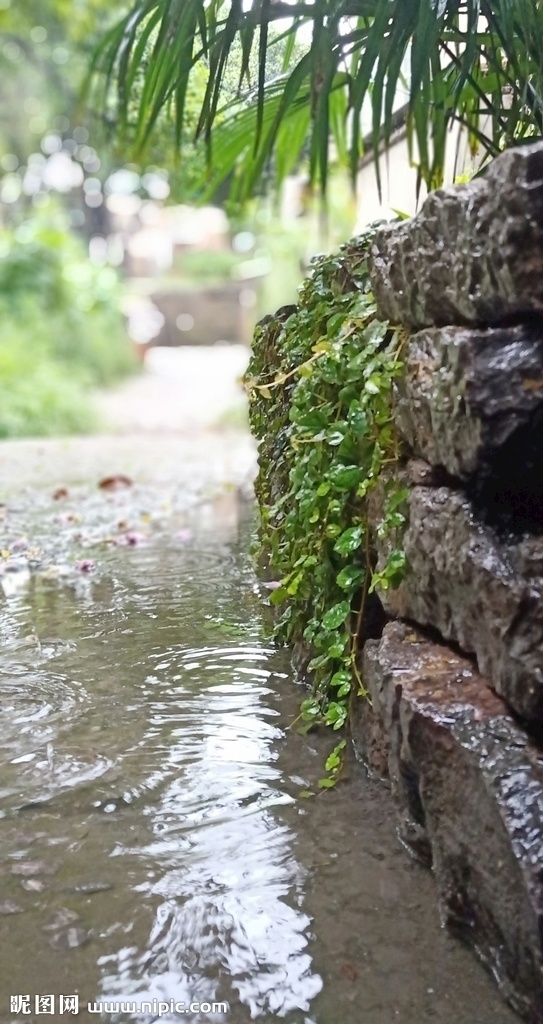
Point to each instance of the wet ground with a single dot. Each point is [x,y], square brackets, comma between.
[162,833]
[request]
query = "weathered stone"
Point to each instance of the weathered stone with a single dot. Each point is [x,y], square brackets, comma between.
[370,742]
[474,254]
[472,402]
[463,771]
[421,474]
[478,591]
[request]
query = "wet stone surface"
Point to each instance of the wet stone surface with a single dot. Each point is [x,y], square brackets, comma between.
[474,254]
[478,590]
[471,401]
[154,801]
[468,786]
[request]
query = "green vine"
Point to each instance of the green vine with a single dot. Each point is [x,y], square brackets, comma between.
[320,383]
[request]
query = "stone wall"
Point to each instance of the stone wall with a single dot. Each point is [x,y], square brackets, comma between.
[455,716]
[454,719]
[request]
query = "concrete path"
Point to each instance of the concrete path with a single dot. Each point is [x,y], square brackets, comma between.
[186,388]
[182,419]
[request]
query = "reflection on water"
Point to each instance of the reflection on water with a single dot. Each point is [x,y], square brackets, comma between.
[155,843]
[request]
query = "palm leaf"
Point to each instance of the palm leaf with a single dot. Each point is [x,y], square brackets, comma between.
[459,69]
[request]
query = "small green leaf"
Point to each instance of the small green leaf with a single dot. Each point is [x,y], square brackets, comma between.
[319,662]
[358,422]
[336,615]
[310,710]
[349,540]
[373,385]
[294,584]
[346,478]
[350,577]
[335,759]
[336,715]
[327,783]
[336,650]
[340,678]
[305,370]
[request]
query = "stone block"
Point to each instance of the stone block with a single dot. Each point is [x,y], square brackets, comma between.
[471,401]
[469,786]
[477,590]
[474,253]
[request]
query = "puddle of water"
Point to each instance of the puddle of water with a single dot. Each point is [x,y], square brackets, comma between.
[154,841]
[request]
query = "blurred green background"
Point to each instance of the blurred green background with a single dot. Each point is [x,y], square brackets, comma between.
[62,329]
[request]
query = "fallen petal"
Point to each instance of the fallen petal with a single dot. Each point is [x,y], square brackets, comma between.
[85,565]
[115,482]
[184,535]
[130,539]
[349,972]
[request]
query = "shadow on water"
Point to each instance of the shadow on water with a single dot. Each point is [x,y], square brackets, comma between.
[155,842]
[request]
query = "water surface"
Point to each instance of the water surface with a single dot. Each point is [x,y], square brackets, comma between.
[157,836]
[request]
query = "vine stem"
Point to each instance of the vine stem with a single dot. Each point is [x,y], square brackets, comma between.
[361,610]
[278,381]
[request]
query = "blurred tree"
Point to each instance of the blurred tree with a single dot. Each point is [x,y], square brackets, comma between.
[76,20]
[44,54]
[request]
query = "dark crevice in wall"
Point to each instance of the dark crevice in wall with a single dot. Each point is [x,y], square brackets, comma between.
[523,318]
[507,492]
[532,729]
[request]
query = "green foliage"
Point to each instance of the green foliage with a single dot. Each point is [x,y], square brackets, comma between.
[334,766]
[61,331]
[208,266]
[476,63]
[43,267]
[320,383]
[44,54]
[37,397]
[61,18]
[43,58]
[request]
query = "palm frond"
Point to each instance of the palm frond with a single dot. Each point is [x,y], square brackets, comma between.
[476,62]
